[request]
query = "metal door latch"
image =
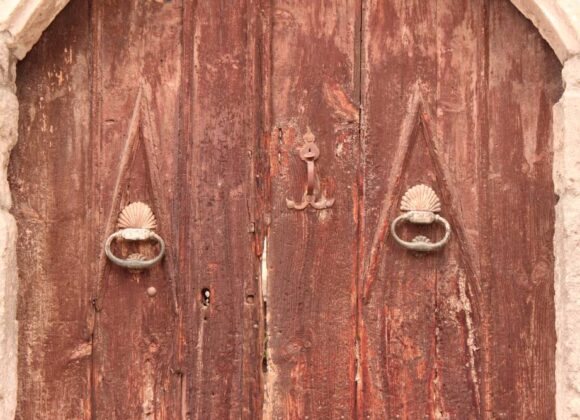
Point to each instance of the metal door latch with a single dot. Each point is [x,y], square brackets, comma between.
[421,204]
[309,153]
[136,223]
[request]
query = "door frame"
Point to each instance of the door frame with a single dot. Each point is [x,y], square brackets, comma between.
[558,21]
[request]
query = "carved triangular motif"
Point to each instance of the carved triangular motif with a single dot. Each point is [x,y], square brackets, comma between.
[417,150]
[138,179]
[138,151]
[445,279]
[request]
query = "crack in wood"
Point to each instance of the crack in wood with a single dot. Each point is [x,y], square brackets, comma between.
[471,343]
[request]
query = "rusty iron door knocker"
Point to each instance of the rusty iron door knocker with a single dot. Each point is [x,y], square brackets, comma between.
[421,205]
[136,223]
[309,153]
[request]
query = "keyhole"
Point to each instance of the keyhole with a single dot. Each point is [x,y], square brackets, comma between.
[205,296]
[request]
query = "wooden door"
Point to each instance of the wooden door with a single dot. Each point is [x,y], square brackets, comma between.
[200,108]
[129,115]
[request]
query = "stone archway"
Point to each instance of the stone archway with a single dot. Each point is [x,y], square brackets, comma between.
[21,25]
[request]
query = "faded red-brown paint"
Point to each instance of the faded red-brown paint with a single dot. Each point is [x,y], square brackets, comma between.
[199,108]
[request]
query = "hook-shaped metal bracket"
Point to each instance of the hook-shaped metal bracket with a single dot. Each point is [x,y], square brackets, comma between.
[309,153]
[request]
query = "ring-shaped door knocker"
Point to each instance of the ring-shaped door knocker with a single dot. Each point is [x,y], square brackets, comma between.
[421,205]
[135,235]
[136,223]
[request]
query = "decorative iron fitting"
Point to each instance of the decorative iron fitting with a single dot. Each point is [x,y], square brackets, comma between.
[136,223]
[422,205]
[309,153]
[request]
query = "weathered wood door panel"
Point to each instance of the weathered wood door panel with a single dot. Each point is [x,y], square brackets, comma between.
[133,366]
[312,256]
[169,98]
[52,191]
[199,108]
[462,107]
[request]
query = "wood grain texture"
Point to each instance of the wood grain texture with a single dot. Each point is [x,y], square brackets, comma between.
[50,180]
[523,86]
[312,255]
[221,128]
[135,50]
[199,108]
[164,100]
[430,326]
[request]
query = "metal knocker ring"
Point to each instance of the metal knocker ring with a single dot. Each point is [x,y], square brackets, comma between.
[135,235]
[136,223]
[420,243]
[421,204]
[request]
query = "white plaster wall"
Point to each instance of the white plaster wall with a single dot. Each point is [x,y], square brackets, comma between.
[21,25]
[557,21]
[567,242]
[25,20]
[8,273]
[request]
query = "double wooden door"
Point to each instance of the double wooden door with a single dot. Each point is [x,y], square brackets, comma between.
[199,108]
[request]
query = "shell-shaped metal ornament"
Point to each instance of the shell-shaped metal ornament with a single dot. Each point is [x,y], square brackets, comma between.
[137,215]
[421,198]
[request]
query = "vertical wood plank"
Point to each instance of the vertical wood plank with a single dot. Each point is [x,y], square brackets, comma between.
[524,83]
[48,177]
[312,255]
[221,128]
[136,62]
[461,123]
[398,322]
